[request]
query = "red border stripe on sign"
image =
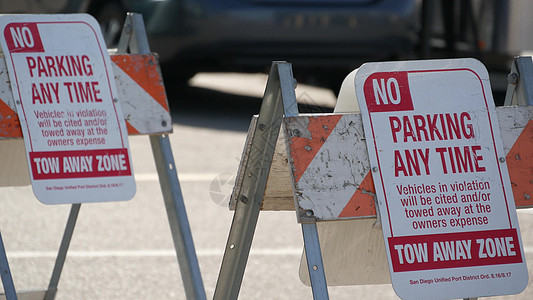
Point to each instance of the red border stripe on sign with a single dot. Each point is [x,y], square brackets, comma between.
[80,164]
[454,250]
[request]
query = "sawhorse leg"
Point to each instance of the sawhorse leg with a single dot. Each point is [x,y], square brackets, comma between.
[280,86]
[179,225]
[177,217]
[237,250]
[7,280]
[62,254]
[9,288]
[134,37]
[314,261]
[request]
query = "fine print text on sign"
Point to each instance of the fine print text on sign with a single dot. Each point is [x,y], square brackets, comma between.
[444,194]
[63,85]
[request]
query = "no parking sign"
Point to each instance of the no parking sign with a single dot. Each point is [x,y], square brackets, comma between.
[66,99]
[442,185]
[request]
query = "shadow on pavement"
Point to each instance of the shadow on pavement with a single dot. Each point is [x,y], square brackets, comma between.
[202,107]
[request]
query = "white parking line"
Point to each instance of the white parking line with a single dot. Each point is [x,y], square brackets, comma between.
[162,253]
[148,253]
[183,177]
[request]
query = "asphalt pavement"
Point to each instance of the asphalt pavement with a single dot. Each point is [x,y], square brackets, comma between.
[124,250]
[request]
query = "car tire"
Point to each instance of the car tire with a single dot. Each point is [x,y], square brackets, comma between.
[111,18]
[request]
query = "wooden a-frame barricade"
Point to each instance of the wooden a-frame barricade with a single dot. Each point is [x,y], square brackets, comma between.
[146,111]
[265,160]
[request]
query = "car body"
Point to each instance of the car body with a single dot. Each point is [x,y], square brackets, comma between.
[247,35]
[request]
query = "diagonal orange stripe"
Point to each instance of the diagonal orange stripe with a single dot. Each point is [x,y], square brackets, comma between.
[9,122]
[520,165]
[303,150]
[143,69]
[131,129]
[362,202]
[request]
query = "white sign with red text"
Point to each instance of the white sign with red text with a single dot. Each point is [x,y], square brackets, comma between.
[448,214]
[63,85]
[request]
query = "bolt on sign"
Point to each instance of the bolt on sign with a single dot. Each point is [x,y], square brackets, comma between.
[442,185]
[63,86]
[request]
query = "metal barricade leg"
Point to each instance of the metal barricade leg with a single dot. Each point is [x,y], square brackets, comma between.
[519,89]
[7,280]
[314,261]
[279,100]
[237,250]
[177,217]
[135,39]
[257,169]
[62,254]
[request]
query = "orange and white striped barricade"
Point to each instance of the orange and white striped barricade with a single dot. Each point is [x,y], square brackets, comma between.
[312,144]
[142,96]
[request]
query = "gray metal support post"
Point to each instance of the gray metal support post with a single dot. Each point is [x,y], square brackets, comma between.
[5,272]
[519,89]
[279,97]
[524,89]
[313,253]
[177,217]
[62,254]
[134,37]
[512,81]
[315,264]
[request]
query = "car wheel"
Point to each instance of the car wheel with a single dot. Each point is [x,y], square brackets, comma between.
[111,18]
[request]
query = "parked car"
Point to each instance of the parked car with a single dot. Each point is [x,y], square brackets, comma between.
[247,35]
[324,39]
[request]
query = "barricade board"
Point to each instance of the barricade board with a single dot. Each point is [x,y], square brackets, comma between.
[139,84]
[328,180]
[515,123]
[441,180]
